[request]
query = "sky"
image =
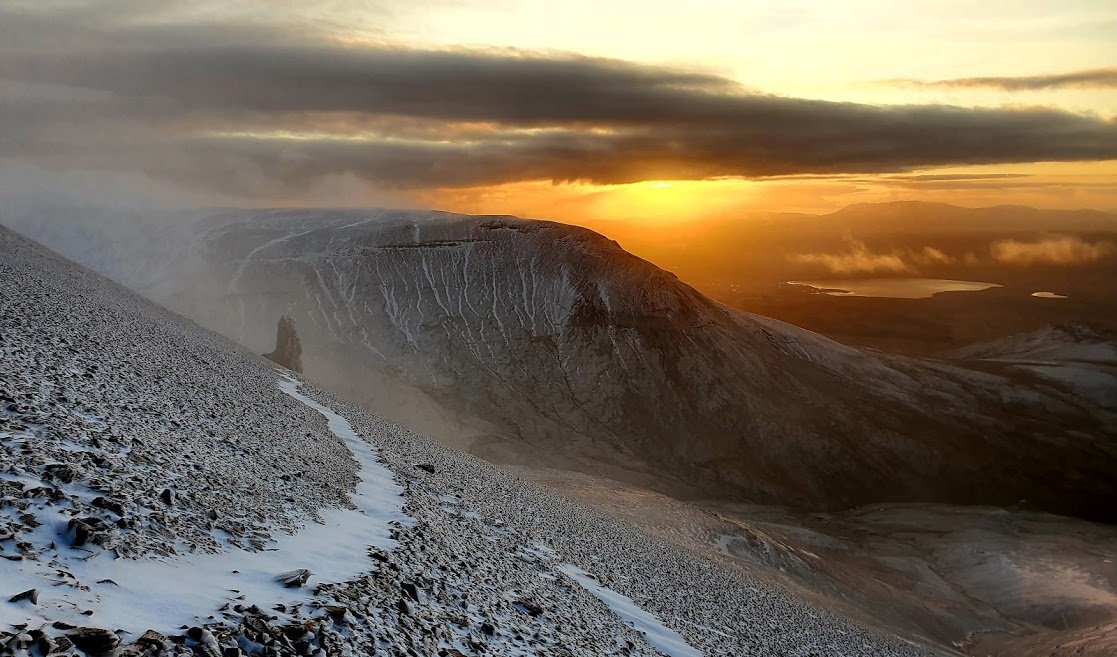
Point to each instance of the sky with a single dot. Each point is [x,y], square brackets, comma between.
[646,111]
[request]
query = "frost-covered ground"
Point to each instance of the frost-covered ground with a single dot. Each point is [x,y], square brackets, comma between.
[143,460]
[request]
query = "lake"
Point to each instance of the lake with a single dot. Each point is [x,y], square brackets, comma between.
[899,288]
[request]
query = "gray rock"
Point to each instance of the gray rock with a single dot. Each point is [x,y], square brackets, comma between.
[31,595]
[154,639]
[94,641]
[294,578]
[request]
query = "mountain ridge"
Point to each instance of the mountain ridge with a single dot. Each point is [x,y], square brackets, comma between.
[569,342]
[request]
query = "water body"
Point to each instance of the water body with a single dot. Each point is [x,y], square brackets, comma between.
[897,288]
[1049,295]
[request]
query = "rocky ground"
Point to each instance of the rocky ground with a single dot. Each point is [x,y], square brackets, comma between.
[131,438]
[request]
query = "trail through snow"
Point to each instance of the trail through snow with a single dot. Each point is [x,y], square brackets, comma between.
[137,595]
[655,633]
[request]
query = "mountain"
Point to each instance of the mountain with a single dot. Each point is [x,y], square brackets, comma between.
[560,338]
[165,492]
[1060,343]
[1078,357]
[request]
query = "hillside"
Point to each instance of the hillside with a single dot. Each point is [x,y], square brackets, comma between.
[153,472]
[563,340]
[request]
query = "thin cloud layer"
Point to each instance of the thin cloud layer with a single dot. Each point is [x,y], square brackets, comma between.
[258,108]
[1093,78]
[1054,250]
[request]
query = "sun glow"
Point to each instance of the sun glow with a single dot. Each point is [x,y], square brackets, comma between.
[655,201]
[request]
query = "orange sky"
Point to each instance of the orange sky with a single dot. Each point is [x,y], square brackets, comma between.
[1044,185]
[627,110]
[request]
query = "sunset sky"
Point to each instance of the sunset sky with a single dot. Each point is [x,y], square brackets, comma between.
[656,111]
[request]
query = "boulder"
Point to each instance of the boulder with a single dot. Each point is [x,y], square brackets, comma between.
[94,641]
[31,595]
[294,578]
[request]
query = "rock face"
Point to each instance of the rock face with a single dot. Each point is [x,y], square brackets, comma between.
[558,335]
[288,350]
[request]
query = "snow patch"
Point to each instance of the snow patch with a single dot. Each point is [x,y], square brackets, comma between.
[137,595]
[654,632]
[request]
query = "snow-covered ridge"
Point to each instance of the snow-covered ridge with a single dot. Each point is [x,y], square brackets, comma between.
[461,577]
[556,335]
[561,335]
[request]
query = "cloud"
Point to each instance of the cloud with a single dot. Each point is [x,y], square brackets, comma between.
[1098,78]
[1056,250]
[929,255]
[857,260]
[271,108]
[860,259]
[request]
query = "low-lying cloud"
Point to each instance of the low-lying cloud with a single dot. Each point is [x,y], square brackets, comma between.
[1053,250]
[858,258]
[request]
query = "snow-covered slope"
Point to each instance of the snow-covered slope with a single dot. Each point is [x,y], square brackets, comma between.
[155,476]
[1076,357]
[1062,343]
[559,336]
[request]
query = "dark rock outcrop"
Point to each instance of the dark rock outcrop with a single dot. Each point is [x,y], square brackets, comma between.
[288,350]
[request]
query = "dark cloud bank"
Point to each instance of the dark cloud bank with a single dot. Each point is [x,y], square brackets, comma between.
[252,109]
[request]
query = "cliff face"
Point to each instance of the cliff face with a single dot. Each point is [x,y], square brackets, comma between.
[573,344]
[288,350]
[560,337]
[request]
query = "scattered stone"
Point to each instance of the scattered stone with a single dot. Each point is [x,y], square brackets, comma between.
[94,641]
[530,608]
[410,590]
[108,504]
[154,639]
[30,595]
[293,578]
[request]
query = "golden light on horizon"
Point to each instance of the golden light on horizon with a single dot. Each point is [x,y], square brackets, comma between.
[1042,184]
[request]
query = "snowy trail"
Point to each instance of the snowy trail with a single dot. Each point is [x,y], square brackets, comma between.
[658,636]
[133,594]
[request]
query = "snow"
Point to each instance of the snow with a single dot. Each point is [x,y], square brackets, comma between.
[1084,379]
[657,635]
[139,596]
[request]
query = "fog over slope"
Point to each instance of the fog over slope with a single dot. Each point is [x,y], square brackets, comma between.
[556,335]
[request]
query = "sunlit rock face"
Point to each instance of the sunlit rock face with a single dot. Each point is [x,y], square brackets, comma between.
[558,336]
